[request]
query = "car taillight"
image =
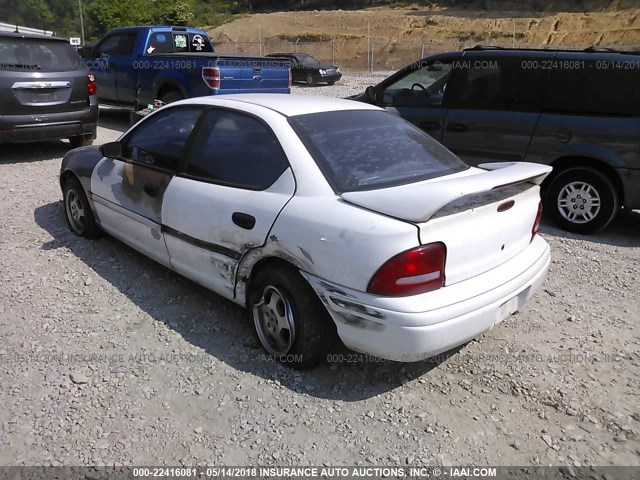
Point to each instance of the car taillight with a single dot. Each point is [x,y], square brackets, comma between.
[536,222]
[414,271]
[92,88]
[211,76]
[290,78]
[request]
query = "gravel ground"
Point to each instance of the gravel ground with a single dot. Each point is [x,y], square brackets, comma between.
[108,358]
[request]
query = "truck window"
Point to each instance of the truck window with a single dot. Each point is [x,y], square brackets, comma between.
[200,43]
[118,44]
[178,42]
[160,42]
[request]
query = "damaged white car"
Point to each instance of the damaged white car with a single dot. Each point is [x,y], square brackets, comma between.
[320,216]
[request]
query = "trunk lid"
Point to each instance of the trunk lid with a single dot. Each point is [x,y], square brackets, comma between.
[483,215]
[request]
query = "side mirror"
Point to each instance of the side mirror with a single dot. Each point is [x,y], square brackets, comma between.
[112,150]
[88,51]
[370,93]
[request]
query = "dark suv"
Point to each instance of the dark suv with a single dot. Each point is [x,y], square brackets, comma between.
[46,91]
[578,111]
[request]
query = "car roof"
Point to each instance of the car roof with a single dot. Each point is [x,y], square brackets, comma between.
[589,50]
[286,104]
[35,36]
[172,28]
[290,55]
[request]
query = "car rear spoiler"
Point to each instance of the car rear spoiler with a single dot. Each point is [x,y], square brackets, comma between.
[418,202]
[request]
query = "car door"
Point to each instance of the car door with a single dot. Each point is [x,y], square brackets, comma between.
[494,104]
[113,67]
[225,200]
[128,192]
[297,74]
[418,96]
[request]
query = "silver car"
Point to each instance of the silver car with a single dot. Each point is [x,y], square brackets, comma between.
[46,91]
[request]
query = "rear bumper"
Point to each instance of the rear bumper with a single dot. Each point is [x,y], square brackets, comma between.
[413,328]
[49,126]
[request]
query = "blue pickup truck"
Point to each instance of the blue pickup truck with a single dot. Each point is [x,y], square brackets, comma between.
[136,65]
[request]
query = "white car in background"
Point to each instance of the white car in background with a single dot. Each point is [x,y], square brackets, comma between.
[320,216]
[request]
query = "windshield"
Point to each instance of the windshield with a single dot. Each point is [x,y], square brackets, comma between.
[307,60]
[368,149]
[42,55]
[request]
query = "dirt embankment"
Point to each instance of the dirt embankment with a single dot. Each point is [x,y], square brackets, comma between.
[401,35]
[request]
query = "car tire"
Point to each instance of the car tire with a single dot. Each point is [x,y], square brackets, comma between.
[311,81]
[77,210]
[290,321]
[80,141]
[171,96]
[331,83]
[581,200]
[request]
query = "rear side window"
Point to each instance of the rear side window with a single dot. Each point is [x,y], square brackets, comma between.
[364,150]
[595,87]
[502,84]
[118,44]
[38,55]
[237,150]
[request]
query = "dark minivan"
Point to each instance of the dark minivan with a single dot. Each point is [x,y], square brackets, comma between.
[46,91]
[578,111]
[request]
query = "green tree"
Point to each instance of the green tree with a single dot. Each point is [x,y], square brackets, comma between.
[172,12]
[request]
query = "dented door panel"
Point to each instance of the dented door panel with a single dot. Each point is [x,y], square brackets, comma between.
[128,201]
[202,231]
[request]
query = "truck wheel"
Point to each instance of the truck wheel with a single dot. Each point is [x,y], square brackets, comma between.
[311,81]
[171,96]
[582,200]
[291,323]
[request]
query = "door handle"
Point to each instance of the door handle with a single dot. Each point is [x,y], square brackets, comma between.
[457,127]
[430,125]
[244,220]
[151,190]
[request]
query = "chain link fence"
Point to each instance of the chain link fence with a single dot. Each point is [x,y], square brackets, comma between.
[369,55]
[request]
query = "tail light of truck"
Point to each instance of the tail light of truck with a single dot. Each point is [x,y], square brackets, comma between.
[211,76]
[92,88]
[536,222]
[411,272]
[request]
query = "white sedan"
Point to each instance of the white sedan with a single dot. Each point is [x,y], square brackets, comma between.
[320,216]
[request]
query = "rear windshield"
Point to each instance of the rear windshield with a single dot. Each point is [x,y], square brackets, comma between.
[178,42]
[364,150]
[33,54]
